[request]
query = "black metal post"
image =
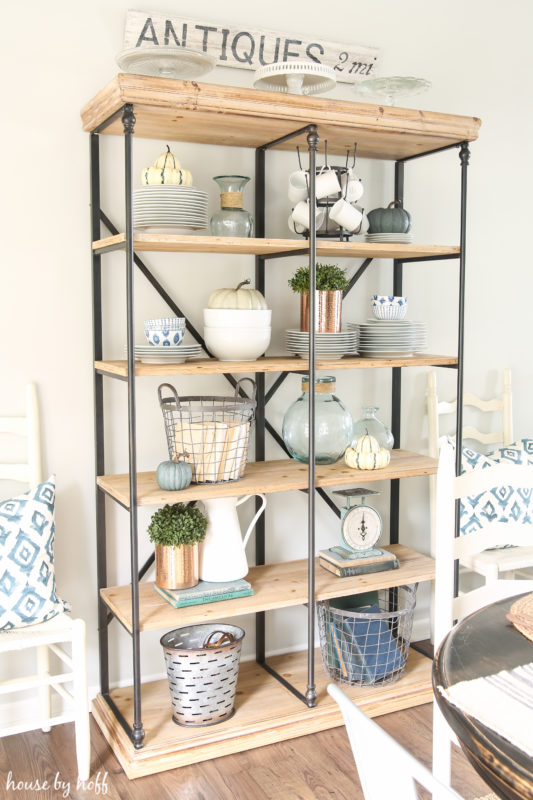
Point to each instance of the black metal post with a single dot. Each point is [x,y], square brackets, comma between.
[464,156]
[312,144]
[260,551]
[128,120]
[396,412]
[98,385]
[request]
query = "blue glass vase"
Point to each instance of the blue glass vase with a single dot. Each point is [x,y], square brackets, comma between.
[333,424]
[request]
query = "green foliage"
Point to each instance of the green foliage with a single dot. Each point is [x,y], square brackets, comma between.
[329,278]
[177,524]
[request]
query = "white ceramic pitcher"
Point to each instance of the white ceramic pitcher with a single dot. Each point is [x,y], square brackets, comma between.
[222,553]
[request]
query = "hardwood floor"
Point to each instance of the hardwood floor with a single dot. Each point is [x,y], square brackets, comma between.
[315,767]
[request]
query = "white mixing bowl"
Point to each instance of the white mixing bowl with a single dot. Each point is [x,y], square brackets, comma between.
[237,344]
[237,318]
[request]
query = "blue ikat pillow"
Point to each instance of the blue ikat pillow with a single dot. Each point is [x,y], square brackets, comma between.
[501,503]
[27,577]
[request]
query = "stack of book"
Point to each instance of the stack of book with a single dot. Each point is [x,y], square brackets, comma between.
[346,567]
[205,592]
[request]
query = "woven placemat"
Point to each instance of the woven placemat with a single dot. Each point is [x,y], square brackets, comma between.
[521,615]
[490,796]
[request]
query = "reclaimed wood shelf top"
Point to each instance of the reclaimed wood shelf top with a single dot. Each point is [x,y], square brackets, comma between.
[275,586]
[212,366]
[173,243]
[267,477]
[265,712]
[190,111]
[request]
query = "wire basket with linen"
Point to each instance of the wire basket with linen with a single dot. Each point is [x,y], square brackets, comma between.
[367,644]
[210,433]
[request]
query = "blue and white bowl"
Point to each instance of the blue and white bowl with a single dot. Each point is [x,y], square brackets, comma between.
[389,307]
[165,332]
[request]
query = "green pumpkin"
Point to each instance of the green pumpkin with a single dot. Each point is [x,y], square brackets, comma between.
[173,475]
[389,220]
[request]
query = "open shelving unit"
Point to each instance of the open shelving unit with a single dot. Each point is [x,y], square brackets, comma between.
[136,720]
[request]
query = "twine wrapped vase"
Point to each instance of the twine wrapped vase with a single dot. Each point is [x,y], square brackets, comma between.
[328,306]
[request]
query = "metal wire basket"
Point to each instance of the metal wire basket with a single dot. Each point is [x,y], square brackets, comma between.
[367,645]
[210,433]
[203,666]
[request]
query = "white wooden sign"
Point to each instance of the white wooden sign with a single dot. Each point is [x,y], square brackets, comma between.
[245,48]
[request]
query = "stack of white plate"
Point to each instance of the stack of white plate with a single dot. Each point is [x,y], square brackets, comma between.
[167,208]
[153,354]
[390,338]
[328,345]
[389,238]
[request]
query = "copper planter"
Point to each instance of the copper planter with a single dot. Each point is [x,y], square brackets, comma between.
[176,567]
[328,305]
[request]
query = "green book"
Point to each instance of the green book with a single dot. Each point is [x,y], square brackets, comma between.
[205,592]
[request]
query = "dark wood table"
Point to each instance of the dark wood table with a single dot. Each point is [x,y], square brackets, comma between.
[481,644]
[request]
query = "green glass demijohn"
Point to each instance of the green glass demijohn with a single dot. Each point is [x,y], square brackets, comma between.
[369,424]
[333,424]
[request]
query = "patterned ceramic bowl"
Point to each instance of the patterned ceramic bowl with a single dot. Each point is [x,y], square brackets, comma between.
[389,307]
[165,332]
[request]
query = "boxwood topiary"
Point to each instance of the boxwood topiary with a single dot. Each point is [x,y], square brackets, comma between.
[177,524]
[329,278]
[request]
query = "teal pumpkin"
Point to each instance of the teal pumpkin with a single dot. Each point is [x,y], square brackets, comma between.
[390,219]
[173,475]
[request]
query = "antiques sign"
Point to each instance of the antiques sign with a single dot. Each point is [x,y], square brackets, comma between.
[244,48]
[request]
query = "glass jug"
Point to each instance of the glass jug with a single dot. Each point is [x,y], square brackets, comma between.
[333,424]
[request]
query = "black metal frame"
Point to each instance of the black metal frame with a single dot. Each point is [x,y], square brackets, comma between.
[136,732]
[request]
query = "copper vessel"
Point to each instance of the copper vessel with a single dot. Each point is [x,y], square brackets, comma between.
[328,305]
[176,567]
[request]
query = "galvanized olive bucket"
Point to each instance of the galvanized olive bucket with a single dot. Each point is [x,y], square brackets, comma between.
[203,666]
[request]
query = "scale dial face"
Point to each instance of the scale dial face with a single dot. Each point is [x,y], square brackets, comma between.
[361,527]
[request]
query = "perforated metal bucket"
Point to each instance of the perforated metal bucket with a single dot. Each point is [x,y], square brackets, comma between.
[203,666]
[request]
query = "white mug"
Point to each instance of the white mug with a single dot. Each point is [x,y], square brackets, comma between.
[300,215]
[346,215]
[298,186]
[352,187]
[326,183]
[294,227]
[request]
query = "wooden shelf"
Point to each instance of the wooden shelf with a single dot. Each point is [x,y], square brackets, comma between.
[265,712]
[212,366]
[267,477]
[171,243]
[189,111]
[275,586]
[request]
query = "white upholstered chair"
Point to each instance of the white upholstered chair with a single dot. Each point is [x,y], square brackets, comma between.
[449,549]
[49,636]
[385,769]
[488,564]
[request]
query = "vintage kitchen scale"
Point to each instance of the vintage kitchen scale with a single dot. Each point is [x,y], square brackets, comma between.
[361,528]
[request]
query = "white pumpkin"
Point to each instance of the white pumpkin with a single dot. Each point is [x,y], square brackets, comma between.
[249,299]
[167,161]
[368,459]
[367,444]
[155,175]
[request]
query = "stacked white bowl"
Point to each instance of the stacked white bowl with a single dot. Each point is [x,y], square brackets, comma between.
[235,334]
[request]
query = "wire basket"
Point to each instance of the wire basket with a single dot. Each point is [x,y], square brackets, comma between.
[210,433]
[203,666]
[367,645]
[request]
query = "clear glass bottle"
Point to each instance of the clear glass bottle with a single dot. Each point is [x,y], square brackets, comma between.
[370,424]
[333,424]
[232,219]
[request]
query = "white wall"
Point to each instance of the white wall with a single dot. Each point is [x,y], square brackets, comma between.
[55,57]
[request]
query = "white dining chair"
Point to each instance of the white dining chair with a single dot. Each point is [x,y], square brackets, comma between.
[385,769]
[449,549]
[50,636]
